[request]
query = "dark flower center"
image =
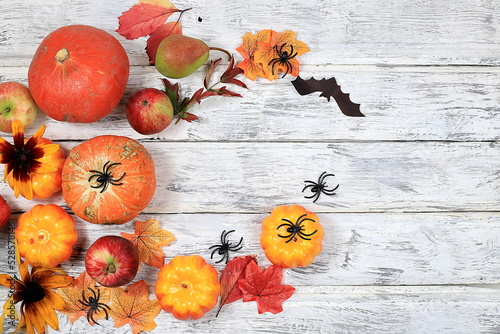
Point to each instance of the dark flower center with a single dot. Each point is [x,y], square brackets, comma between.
[33,292]
[23,158]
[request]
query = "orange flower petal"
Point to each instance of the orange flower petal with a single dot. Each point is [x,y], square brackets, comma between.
[34,319]
[47,313]
[39,133]
[56,281]
[54,300]
[6,280]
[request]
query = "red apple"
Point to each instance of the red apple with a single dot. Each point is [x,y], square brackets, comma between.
[149,111]
[4,212]
[16,103]
[112,261]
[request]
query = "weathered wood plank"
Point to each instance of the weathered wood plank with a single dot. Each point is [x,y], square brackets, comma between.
[373,176]
[358,249]
[409,103]
[354,32]
[378,310]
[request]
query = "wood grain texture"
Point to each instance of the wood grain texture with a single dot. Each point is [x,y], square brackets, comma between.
[413,233]
[348,309]
[356,32]
[374,249]
[222,177]
[400,104]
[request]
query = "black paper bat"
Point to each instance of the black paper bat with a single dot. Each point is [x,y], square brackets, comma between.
[328,88]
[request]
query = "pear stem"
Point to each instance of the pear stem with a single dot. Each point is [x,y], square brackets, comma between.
[222,50]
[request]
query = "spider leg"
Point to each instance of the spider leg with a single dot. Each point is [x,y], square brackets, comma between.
[305,219]
[96,296]
[316,196]
[223,237]
[330,191]
[85,301]
[223,257]
[285,224]
[106,311]
[236,248]
[96,174]
[119,179]
[102,306]
[308,234]
[324,176]
[272,63]
[215,250]
[239,243]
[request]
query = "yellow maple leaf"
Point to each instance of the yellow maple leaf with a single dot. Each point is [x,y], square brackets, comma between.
[78,297]
[149,238]
[160,3]
[134,307]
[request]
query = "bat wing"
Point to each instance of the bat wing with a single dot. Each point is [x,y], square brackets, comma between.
[328,88]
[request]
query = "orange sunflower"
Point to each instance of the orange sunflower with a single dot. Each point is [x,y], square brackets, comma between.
[32,167]
[34,292]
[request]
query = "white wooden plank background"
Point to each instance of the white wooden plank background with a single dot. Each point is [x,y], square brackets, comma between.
[413,234]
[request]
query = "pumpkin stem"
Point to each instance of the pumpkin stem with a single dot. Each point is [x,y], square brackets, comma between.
[62,55]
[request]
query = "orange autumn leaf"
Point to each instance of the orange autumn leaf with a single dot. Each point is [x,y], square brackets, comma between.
[280,54]
[149,238]
[144,18]
[268,53]
[250,45]
[77,296]
[134,307]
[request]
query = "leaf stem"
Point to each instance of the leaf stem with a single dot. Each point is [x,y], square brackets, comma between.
[222,50]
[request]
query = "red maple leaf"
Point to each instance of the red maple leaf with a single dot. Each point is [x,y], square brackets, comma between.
[234,270]
[144,18]
[165,30]
[264,287]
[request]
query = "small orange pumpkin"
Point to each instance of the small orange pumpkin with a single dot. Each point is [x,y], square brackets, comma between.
[187,287]
[291,236]
[108,179]
[46,235]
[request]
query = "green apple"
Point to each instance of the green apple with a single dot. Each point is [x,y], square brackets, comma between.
[16,103]
[178,56]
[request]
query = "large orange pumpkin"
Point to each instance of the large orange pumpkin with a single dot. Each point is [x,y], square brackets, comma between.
[78,74]
[108,179]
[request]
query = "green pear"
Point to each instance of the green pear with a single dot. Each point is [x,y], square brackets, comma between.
[178,56]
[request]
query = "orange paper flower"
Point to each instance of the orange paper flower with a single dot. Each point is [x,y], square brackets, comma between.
[33,166]
[269,53]
[34,292]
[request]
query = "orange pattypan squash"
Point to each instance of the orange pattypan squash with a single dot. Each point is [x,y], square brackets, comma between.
[46,235]
[291,236]
[187,287]
[108,179]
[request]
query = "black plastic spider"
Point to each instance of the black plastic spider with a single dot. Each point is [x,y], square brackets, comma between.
[225,247]
[105,177]
[296,229]
[94,305]
[319,187]
[283,58]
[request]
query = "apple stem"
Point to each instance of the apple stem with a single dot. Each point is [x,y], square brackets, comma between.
[222,50]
